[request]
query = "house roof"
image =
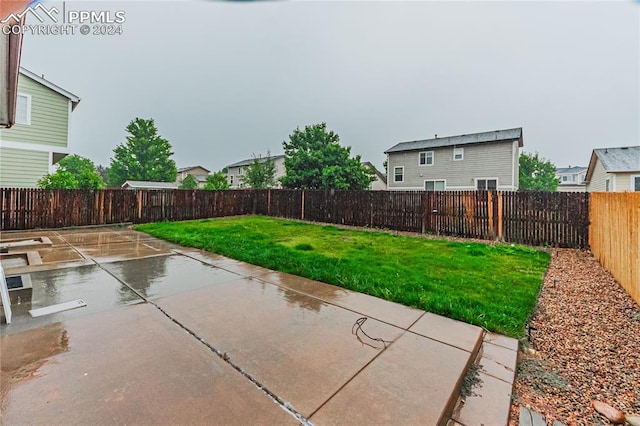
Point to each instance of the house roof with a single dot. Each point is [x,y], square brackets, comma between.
[570,170]
[380,175]
[474,138]
[249,161]
[140,184]
[186,169]
[73,98]
[615,160]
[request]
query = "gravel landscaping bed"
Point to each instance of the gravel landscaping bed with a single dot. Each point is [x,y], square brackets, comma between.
[586,336]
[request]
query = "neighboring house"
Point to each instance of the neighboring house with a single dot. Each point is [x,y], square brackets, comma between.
[40,136]
[614,169]
[236,171]
[198,172]
[140,184]
[380,183]
[487,160]
[571,179]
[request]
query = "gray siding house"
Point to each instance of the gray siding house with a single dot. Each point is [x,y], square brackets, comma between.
[236,171]
[571,179]
[614,169]
[487,160]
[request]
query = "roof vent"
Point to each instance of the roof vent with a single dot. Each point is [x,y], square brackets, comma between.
[436,136]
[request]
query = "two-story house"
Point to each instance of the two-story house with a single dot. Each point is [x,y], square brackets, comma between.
[199,173]
[487,160]
[614,169]
[571,179]
[40,136]
[236,171]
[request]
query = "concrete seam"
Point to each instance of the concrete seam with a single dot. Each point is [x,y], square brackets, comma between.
[223,355]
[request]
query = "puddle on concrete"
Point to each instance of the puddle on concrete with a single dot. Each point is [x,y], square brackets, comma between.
[165,275]
[96,287]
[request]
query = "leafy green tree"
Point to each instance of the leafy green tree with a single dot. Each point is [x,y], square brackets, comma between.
[537,173]
[74,172]
[261,173]
[189,182]
[61,179]
[314,159]
[216,181]
[145,156]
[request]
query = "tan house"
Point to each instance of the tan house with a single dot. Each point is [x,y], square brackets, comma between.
[487,160]
[198,172]
[236,171]
[614,169]
[380,182]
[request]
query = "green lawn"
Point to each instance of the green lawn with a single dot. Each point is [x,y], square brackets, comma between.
[494,286]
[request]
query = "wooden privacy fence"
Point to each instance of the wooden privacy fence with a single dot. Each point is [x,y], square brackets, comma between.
[615,236]
[534,218]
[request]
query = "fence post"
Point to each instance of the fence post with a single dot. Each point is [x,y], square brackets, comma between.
[302,212]
[490,213]
[139,196]
[500,215]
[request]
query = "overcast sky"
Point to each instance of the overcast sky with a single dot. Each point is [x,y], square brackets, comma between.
[224,80]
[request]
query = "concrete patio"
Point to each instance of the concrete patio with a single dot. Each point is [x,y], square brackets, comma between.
[172,335]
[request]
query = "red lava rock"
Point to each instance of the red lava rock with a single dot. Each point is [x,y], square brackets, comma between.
[614,416]
[586,341]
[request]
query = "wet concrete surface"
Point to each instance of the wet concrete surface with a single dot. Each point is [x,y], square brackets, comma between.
[299,347]
[125,366]
[216,341]
[90,283]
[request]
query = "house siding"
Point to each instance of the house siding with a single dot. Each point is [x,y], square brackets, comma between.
[237,176]
[21,168]
[487,160]
[49,117]
[598,178]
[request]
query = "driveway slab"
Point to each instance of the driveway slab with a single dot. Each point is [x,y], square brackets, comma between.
[126,366]
[299,347]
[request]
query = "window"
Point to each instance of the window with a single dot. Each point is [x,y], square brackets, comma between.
[565,178]
[484,184]
[434,185]
[231,180]
[426,158]
[635,183]
[607,185]
[458,154]
[398,174]
[23,109]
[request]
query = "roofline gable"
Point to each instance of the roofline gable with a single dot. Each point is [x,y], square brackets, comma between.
[73,98]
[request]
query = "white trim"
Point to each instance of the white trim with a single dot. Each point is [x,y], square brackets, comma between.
[394,174]
[406,188]
[514,157]
[433,158]
[52,168]
[28,122]
[475,180]
[50,85]
[33,147]
[461,152]
[632,185]
[434,184]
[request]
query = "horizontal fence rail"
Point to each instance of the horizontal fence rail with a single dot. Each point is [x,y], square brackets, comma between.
[526,217]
